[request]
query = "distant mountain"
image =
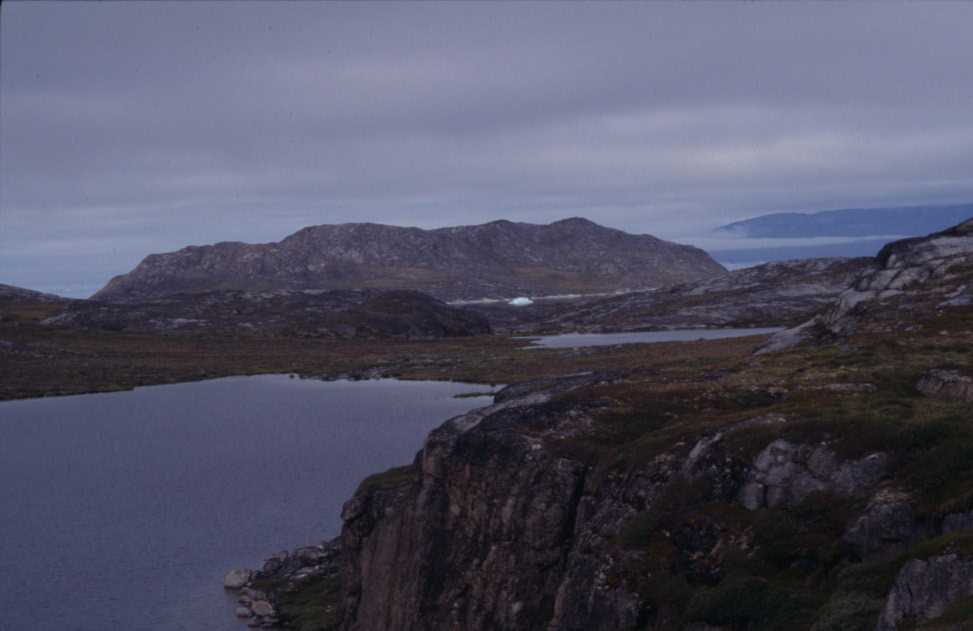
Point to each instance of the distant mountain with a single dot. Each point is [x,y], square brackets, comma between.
[500,259]
[12,293]
[852,222]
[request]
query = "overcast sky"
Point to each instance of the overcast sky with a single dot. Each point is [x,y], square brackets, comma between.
[131,128]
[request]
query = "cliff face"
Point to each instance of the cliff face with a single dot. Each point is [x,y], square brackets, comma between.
[828,488]
[499,259]
[482,539]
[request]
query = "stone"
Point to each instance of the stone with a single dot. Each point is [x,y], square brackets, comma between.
[253,594]
[236,579]
[887,525]
[784,474]
[243,612]
[262,608]
[946,384]
[924,589]
[957,521]
[752,495]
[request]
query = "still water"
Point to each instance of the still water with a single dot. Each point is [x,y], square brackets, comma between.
[577,340]
[122,511]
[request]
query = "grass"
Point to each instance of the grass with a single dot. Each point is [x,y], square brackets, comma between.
[313,607]
[391,478]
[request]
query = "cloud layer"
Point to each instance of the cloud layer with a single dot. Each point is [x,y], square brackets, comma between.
[127,128]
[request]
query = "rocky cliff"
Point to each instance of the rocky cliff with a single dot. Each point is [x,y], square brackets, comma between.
[498,259]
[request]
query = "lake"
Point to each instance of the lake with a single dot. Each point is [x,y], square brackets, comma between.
[578,340]
[124,510]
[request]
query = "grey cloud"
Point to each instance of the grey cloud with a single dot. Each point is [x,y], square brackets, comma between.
[139,127]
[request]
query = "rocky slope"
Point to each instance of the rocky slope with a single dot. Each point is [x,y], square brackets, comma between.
[911,278]
[497,259]
[826,488]
[346,314]
[774,294]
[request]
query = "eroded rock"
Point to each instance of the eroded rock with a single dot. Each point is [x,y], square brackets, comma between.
[924,589]
[785,473]
[946,384]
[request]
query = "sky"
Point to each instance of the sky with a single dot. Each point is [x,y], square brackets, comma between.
[130,128]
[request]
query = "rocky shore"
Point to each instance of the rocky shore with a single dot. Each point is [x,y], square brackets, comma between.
[261,592]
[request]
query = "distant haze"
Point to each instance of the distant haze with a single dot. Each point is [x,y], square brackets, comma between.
[130,128]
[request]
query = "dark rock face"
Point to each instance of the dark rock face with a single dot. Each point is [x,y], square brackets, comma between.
[924,589]
[479,540]
[499,259]
[330,314]
[766,295]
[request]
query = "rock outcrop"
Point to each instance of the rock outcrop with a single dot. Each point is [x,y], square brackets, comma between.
[785,474]
[500,259]
[910,278]
[946,384]
[925,588]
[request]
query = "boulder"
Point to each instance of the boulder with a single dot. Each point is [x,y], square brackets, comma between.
[946,384]
[888,524]
[236,579]
[924,589]
[785,473]
[262,608]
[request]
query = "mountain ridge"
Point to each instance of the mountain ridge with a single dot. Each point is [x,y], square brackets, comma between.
[498,259]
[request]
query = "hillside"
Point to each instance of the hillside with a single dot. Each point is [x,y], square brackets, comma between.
[500,259]
[772,294]
[343,314]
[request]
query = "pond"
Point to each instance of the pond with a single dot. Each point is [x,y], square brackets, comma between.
[124,510]
[578,340]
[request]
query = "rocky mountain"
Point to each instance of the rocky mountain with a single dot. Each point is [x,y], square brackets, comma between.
[345,314]
[498,259]
[822,489]
[773,294]
[852,222]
